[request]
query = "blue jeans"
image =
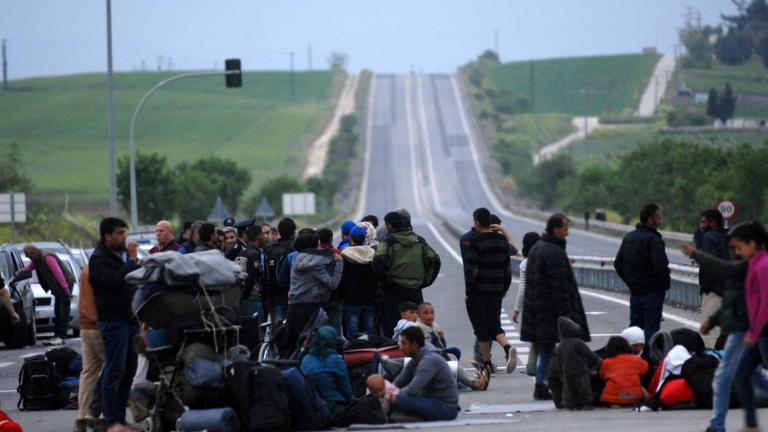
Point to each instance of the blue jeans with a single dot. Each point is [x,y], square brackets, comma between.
[119,367]
[358,319]
[751,362]
[645,312]
[424,408]
[724,377]
[542,362]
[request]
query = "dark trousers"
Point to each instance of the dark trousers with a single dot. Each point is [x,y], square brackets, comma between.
[119,367]
[297,317]
[577,391]
[645,312]
[61,315]
[390,305]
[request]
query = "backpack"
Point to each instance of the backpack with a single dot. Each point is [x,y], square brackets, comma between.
[663,341]
[304,398]
[68,362]
[258,395]
[430,260]
[37,384]
[699,371]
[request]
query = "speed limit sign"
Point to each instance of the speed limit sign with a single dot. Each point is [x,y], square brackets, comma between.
[727,208]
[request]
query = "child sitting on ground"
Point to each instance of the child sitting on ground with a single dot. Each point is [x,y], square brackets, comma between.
[408,314]
[432,332]
[621,370]
[382,389]
[574,362]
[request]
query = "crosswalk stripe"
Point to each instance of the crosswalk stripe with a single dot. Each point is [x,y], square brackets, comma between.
[506,321]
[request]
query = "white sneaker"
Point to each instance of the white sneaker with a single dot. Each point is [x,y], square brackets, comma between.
[54,342]
[512,360]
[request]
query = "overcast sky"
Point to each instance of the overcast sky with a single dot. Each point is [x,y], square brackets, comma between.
[53,37]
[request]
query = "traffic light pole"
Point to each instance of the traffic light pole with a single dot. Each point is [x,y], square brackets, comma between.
[132,142]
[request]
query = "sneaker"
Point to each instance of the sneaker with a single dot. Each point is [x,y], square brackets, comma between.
[541,392]
[54,342]
[511,360]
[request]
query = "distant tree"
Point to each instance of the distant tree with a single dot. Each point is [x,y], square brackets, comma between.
[489,56]
[761,49]
[155,186]
[727,103]
[713,104]
[201,182]
[548,176]
[12,176]
[699,49]
[734,48]
[273,190]
[338,61]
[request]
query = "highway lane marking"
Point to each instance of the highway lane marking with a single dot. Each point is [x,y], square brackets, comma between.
[367,162]
[32,354]
[6,364]
[666,315]
[594,313]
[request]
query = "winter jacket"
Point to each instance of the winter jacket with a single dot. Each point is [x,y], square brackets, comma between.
[732,315]
[203,247]
[358,283]
[107,276]
[573,355]
[521,287]
[714,243]
[756,292]
[642,262]
[487,268]
[276,253]
[399,259]
[86,304]
[622,379]
[330,377]
[551,292]
[255,263]
[314,275]
[428,375]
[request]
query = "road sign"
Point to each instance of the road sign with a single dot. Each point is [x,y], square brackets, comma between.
[727,208]
[264,210]
[296,204]
[13,212]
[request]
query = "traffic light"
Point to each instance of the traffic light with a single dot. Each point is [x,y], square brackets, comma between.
[234,76]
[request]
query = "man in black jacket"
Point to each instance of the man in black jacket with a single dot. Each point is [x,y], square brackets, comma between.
[714,242]
[551,292]
[643,265]
[117,326]
[254,260]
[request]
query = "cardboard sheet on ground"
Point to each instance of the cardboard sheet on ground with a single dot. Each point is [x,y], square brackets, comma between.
[480,408]
[434,424]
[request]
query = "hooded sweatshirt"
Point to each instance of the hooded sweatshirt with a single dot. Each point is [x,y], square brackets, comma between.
[756,291]
[573,355]
[358,283]
[314,275]
[428,375]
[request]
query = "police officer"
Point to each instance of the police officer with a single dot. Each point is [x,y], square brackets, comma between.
[242,242]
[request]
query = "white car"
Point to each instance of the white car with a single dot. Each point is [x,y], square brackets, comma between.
[44,311]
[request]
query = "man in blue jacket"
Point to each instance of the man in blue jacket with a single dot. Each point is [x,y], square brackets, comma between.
[643,265]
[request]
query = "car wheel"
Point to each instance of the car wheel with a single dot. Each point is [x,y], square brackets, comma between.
[18,334]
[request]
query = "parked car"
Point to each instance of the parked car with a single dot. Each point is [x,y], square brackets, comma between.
[24,332]
[145,240]
[59,248]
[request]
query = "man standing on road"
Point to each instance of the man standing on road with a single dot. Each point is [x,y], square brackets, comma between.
[208,238]
[92,349]
[643,265]
[714,242]
[255,263]
[487,275]
[551,292]
[241,243]
[116,322]
[276,253]
[164,237]
[57,279]
[400,265]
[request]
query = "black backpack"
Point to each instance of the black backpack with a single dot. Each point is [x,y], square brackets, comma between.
[38,383]
[699,371]
[65,360]
[258,395]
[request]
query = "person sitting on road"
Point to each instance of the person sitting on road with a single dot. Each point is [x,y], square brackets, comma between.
[427,387]
[622,371]
[327,368]
[635,338]
[574,362]
[409,312]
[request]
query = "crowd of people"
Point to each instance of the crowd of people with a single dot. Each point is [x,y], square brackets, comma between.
[370,286]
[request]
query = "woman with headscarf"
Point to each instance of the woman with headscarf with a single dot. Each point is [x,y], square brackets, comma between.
[327,368]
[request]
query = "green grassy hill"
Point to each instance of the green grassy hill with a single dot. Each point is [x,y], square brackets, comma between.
[581,85]
[60,124]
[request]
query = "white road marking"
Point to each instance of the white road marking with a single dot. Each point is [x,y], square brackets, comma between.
[667,315]
[595,313]
[603,334]
[32,354]
[506,321]
[6,364]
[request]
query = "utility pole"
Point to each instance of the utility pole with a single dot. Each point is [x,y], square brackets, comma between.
[532,85]
[293,78]
[309,56]
[170,63]
[5,68]
[111,118]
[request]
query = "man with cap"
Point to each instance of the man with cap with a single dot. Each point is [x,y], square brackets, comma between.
[357,288]
[229,222]
[241,244]
[346,227]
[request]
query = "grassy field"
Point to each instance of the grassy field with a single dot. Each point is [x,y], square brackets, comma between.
[538,129]
[605,146]
[579,86]
[60,124]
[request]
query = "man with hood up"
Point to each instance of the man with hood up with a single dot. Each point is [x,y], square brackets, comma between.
[358,285]
[315,274]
